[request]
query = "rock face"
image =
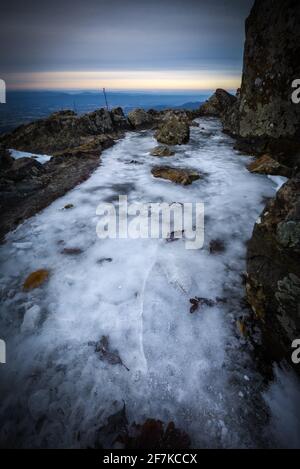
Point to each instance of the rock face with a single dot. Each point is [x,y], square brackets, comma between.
[264,117]
[6,161]
[177,175]
[162,150]
[140,119]
[173,131]
[271,63]
[273,266]
[26,186]
[267,165]
[65,130]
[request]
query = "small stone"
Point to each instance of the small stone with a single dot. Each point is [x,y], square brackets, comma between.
[71,251]
[68,206]
[162,150]
[179,176]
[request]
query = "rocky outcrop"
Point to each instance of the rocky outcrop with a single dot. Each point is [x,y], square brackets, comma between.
[65,130]
[173,131]
[27,187]
[75,142]
[162,150]
[6,161]
[273,270]
[267,165]
[218,104]
[140,119]
[177,175]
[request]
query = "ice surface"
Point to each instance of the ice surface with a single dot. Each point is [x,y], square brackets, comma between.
[22,154]
[283,397]
[189,368]
[278,180]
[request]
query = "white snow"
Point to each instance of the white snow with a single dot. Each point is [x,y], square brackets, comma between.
[16,154]
[184,367]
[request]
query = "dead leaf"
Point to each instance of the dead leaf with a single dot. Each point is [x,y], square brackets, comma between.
[241,327]
[72,251]
[36,279]
[197,302]
[102,348]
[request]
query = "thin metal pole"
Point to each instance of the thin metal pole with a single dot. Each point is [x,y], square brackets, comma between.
[105,98]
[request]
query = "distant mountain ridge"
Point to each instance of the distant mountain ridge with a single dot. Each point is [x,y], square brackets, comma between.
[25,106]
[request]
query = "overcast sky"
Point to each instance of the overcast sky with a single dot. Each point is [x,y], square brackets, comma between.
[58,44]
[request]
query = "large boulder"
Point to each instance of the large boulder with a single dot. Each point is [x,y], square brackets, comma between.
[273,270]
[119,120]
[218,104]
[173,131]
[161,151]
[140,119]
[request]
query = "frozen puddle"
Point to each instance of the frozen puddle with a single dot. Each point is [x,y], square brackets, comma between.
[194,369]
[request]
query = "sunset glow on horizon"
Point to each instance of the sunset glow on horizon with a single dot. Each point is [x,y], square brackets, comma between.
[123,80]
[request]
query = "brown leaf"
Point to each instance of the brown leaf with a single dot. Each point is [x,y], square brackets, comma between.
[36,279]
[197,302]
[111,357]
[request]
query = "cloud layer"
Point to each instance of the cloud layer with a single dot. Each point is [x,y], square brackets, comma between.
[130,35]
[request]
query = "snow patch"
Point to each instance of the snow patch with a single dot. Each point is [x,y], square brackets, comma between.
[16,154]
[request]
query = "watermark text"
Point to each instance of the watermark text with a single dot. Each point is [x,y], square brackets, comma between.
[138,220]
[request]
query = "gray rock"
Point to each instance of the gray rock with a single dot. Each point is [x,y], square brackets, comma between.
[173,131]
[162,150]
[218,104]
[140,119]
[65,130]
